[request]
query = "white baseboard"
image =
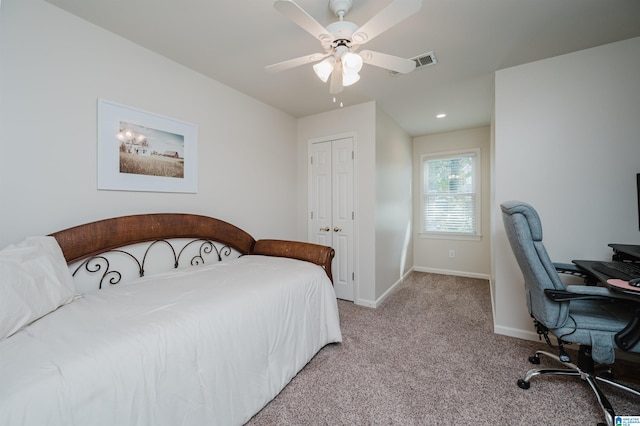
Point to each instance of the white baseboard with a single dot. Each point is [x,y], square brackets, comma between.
[379,300]
[365,302]
[455,273]
[515,332]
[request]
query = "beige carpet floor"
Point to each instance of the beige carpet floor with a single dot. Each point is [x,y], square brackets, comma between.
[428,356]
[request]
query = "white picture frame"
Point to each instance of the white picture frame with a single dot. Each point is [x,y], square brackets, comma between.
[143,151]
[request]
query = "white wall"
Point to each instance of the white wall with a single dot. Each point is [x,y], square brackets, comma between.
[394,203]
[360,121]
[472,258]
[53,68]
[567,140]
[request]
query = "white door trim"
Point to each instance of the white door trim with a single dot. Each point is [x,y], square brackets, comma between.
[356,242]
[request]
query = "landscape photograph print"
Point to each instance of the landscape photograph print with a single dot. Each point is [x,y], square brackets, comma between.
[145,151]
[148,151]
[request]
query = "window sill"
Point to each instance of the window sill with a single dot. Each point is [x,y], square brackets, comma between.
[447,236]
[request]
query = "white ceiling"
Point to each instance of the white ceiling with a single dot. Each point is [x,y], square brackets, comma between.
[233,40]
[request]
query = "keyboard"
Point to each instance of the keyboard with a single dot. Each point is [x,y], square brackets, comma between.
[621,270]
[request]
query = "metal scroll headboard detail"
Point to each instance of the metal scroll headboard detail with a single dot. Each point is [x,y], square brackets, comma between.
[101,264]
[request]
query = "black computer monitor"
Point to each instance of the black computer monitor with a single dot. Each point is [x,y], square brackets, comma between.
[638,190]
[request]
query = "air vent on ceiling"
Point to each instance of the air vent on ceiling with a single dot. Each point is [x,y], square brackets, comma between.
[424,60]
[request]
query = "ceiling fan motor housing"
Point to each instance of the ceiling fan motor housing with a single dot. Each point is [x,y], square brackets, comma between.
[342,30]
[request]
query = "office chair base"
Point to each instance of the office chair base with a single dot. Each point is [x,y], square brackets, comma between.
[584,371]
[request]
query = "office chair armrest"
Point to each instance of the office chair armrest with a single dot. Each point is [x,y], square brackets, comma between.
[567,296]
[602,291]
[588,292]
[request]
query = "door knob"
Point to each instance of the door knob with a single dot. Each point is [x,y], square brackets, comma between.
[337,229]
[325,229]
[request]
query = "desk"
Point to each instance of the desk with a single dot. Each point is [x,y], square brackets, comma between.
[586,266]
[620,252]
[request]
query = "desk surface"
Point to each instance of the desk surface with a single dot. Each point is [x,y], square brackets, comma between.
[586,265]
[620,252]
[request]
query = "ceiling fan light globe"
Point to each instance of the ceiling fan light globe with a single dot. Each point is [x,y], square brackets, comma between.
[324,69]
[351,63]
[349,79]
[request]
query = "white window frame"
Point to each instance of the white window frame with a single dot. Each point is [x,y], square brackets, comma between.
[477,190]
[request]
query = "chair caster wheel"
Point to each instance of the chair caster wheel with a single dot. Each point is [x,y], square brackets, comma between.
[522,384]
[533,359]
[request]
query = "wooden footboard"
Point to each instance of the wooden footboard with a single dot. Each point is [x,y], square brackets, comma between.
[91,239]
[315,253]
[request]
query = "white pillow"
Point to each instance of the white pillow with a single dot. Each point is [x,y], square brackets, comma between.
[34,280]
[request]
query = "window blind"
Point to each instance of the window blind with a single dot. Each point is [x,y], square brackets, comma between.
[450,196]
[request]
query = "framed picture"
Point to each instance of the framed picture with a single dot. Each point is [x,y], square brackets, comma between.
[142,151]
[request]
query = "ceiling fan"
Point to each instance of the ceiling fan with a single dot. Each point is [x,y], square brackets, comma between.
[342,39]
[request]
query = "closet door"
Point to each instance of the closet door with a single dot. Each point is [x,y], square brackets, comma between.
[320,223]
[331,216]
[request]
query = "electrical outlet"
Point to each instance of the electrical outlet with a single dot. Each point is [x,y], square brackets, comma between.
[452,253]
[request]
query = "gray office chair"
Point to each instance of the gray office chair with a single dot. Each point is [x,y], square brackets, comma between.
[595,318]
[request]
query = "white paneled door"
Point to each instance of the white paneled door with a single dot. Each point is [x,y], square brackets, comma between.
[331,215]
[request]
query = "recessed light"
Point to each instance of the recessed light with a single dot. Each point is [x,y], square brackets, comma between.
[441,115]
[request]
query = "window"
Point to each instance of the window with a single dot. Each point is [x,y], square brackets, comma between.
[451,194]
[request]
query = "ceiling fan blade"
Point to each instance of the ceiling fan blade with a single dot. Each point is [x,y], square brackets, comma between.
[391,15]
[305,21]
[335,85]
[292,63]
[389,62]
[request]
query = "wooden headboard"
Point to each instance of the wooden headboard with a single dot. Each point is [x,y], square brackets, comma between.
[91,239]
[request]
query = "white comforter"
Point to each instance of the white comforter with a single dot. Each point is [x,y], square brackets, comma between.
[210,346]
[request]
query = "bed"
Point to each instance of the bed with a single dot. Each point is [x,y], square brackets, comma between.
[159,319]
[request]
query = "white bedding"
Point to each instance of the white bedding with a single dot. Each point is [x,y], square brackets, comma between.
[210,346]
